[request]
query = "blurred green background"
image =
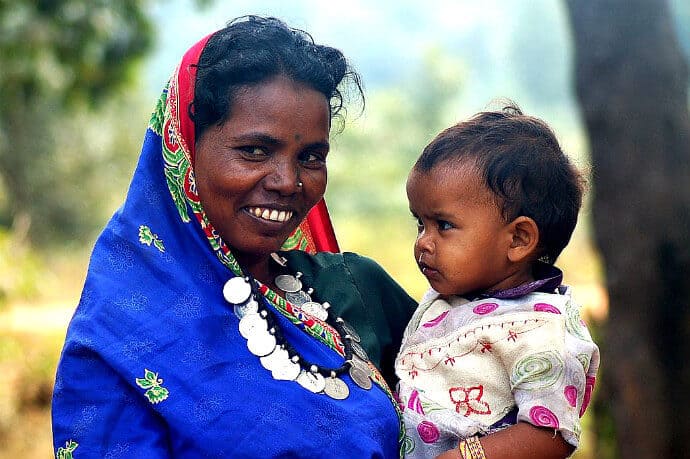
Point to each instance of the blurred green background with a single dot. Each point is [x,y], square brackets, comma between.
[79,78]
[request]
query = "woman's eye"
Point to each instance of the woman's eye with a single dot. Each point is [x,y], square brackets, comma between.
[254,153]
[313,160]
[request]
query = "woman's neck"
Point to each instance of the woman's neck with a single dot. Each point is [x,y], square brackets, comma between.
[260,268]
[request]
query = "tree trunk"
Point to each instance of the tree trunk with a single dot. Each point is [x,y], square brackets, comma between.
[632,86]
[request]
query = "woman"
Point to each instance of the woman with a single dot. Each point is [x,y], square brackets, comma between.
[195,335]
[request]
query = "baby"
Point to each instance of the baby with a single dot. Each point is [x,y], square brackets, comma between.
[496,361]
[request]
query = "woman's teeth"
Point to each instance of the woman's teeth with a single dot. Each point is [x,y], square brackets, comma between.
[271,214]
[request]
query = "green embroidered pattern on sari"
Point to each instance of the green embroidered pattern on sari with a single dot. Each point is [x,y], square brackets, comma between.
[155,392]
[297,240]
[65,452]
[156,121]
[146,236]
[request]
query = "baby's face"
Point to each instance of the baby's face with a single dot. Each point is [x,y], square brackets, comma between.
[463,240]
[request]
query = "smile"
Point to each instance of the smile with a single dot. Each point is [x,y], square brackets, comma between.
[273,215]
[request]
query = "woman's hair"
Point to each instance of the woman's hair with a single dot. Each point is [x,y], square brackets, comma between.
[253,49]
[521,162]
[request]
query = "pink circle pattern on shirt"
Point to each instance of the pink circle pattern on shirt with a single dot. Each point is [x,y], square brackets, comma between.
[543,417]
[570,393]
[485,308]
[545,307]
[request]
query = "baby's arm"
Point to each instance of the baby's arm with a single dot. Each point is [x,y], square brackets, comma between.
[521,441]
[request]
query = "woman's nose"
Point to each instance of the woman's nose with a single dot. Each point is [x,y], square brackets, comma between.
[284,178]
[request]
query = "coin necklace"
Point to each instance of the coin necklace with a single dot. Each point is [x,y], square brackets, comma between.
[258,325]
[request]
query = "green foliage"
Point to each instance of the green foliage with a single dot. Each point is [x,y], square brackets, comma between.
[69,49]
[61,61]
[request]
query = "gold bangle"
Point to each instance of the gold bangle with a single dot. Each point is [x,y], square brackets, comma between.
[471,448]
[464,450]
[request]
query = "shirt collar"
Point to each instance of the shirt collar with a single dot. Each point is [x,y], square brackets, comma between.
[547,279]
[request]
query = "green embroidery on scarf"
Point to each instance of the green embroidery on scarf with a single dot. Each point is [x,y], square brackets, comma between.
[146,236]
[176,166]
[155,392]
[295,241]
[156,121]
[66,451]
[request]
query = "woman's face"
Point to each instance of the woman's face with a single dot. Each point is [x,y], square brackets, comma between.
[249,168]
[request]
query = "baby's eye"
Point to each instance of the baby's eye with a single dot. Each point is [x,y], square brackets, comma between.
[444,225]
[420,225]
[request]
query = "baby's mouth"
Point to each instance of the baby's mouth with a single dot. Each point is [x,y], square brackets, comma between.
[426,269]
[273,215]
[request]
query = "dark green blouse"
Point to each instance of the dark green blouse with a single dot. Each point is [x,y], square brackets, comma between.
[363,294]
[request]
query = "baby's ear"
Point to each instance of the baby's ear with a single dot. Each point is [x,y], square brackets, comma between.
[525,239]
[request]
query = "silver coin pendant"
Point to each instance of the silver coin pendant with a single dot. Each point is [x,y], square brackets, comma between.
[297,298]
[336,388]
[261,344]
[288,283]
[250,307]
[269,361]
[349,329]
[250,323]
[359,350]
[286,370]
[237,290]
[313,382]
[360,377]
[359,363]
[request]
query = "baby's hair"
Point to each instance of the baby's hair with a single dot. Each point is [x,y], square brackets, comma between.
[522,163]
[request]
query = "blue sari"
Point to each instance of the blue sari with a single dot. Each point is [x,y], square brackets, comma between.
[153,364]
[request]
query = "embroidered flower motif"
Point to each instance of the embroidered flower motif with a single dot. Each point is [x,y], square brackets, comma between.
[469,399]
[415,403]
[154,391]
[427,431]
[146,236]
[541,416]
[435,321]
[545,307]
[570,393]
[485,308]
[66,451]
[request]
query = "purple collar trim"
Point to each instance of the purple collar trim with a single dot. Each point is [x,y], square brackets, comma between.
[548,279]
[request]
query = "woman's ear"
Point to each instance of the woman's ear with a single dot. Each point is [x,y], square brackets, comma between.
[525,239]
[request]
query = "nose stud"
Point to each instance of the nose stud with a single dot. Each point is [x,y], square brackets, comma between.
[300,184]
